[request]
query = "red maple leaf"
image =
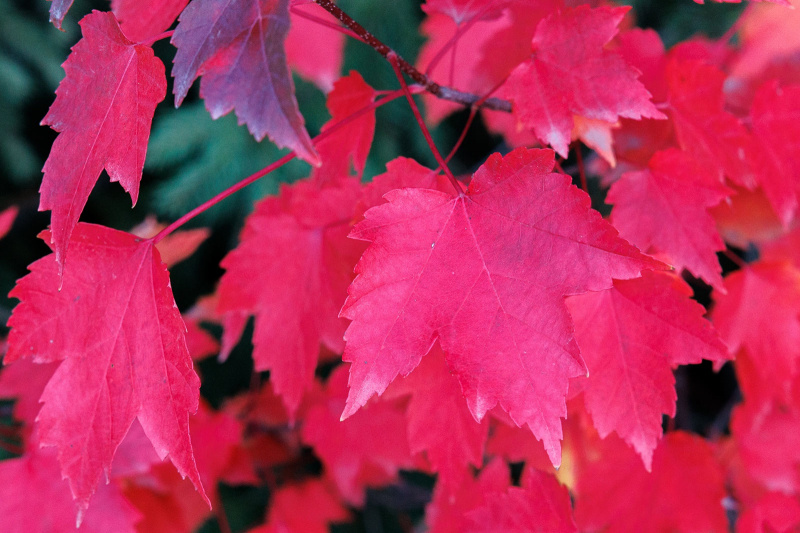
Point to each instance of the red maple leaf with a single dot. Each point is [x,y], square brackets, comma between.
[766,431]
[565,78]
[631,336]
[683,493]
[237,46]
[400,173]
[144,19]
[349,145]
[540,504]
[775,116]
[175,247]
[485,272]
[515,444]
[291,270]
[716,138]
[365,450]
[120,83]
[24,381]
[306,507]
[314,51]
[663,209]
[447,513]
[439,422]
[761,313]
[34,499]
[114,326]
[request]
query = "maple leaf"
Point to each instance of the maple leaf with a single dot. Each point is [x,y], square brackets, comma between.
[237,46]
[485,272]
[33,499]
[747,217]
[216,438]
[631,336]
[760,313]
[144,19]
[540,504]
[515,444]
[664,209]
[683,493]
[716,138]
[463,11]
[290,510]
[114,326]
[472,63]
[291,270]
[366,450]
[314,51]
[24,381]
[564,78]
[766,431]
[439,421]
[440,29]
[774,116]
[401,172]
[125,82]
[350,143]
[447,513]
[765,34]
[644,50]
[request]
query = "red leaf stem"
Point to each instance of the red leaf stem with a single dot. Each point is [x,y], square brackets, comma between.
[393,59]
[252,178]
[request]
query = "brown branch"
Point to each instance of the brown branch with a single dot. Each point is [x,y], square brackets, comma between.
[440,91]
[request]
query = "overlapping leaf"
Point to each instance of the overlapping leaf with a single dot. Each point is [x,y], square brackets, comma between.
[439,422]
[314,51]
[565,78]
[114,326]
[761,313]
[119,83]
[663,209]
[238,48]
[363,451]
[143,19]
[539,504]
[485,272]
[291,271]
[33,499]
[683,493]
[775,115]
[631,336]
[716,138]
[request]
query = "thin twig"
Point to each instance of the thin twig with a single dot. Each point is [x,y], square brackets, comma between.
[473,111]
[440,91]
[427,134]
